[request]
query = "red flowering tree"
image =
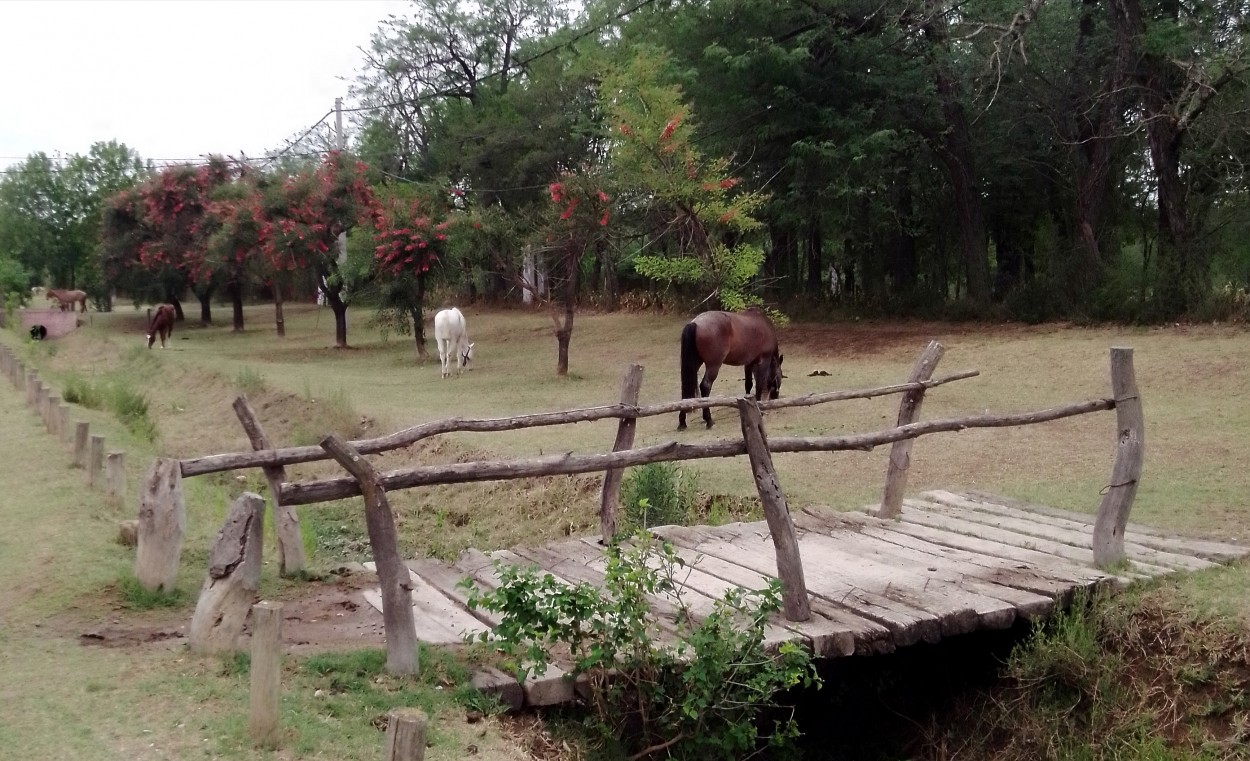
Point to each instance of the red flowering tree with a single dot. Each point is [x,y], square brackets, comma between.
[410,237]
[154,235]
[575,224]
[233,221]
[303,218]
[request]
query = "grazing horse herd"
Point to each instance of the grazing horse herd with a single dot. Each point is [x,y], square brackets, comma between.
[745,339]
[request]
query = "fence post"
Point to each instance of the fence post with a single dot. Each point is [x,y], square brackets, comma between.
[405,734]
[1130,449]
[609,499]
[115,476]
[53,419]
[162,524]
[285,519]
[908,411]
[95,463]
[393,575]
[32,386]
[81,432]
[62,423]
[266,670]
[233,577]
[776,513]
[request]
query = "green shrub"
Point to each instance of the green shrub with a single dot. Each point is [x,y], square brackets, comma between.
[79,390]
[702,697]
[131,407]
[658,494]
[249,381]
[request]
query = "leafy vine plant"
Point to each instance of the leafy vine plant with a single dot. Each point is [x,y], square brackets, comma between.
[666,683]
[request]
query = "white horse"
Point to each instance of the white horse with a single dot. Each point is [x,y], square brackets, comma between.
[451,333]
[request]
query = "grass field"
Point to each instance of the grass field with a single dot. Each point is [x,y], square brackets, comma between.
[65,573]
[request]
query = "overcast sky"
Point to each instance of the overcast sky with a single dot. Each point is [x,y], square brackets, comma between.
[174,79]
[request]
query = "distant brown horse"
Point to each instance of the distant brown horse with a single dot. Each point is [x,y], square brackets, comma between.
[161,323]
[745,339]
[68,298]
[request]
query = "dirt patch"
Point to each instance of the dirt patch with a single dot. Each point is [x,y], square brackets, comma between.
[319,616]
[866,338]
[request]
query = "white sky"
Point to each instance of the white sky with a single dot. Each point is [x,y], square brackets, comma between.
[175,79]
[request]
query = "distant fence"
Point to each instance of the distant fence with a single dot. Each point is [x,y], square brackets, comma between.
[163,491]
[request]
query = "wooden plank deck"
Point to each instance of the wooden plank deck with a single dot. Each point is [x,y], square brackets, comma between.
[956,562]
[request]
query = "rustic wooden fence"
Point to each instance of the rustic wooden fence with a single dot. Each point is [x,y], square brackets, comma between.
[234,564]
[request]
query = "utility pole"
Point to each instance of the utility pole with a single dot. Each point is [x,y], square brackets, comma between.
[338,123]
[341,140]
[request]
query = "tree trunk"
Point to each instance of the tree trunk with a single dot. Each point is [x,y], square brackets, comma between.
[206,307]
[957,155]
[417,313]
[177,305]
[236,302]
[335,300]
[815,258]
[279,321]
[901,252]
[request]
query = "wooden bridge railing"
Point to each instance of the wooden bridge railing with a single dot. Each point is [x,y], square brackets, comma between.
[363,479]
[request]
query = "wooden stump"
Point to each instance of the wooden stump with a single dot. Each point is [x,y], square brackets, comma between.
[266,668]
[405,734]
[908,411]
[610,497]
[52,416]
[233,578]
[1130,449]
[393,575]
[115,476]
[81,432]
[285,519]
[95,462]
[32,387]
[162,524]
[776,513]
[128,533]
[63,427]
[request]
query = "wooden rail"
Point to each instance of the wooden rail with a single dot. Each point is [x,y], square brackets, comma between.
[198,466]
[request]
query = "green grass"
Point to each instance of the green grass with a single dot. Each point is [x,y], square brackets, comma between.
[135,597]
[98,701]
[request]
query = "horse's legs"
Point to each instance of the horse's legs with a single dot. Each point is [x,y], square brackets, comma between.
[749,370]
[705,389]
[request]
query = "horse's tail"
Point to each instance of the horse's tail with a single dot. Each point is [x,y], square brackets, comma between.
[689,362]
[149,321]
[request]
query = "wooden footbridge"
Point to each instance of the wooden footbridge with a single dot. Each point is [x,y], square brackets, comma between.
[894,574]
[953,563]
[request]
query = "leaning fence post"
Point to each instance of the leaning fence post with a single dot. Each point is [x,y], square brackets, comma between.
[162,524]
[95,464]
[1130,449]
[393,575]
[908,411]
[785,542]
[233,577]
[285,519]
[266,672]
[609,498]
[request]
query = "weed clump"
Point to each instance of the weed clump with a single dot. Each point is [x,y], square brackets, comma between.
[657,494]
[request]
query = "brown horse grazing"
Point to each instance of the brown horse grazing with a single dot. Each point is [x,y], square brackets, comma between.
[161,323]
[745,339]
[68,298]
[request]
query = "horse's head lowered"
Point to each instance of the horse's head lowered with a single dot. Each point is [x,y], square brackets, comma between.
[466,356]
